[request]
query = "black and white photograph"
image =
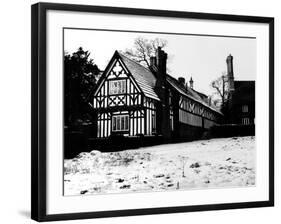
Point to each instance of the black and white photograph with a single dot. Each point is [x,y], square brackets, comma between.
[139,111]
[149,111]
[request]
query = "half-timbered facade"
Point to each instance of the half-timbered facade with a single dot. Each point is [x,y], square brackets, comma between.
[132,100]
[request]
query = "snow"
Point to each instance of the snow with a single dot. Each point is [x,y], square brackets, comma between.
[215,163]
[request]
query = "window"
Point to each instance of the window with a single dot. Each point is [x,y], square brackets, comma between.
[153,120]
[120,123]
[117,86]
[170,98]
[245,109]
[171,119]
[245,121]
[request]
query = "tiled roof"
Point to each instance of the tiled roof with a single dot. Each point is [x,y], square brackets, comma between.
[146,81]
[143,76]
[190,93]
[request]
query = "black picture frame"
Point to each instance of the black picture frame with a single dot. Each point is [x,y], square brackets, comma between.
[39,122]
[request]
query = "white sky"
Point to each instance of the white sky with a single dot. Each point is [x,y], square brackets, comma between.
[202,57]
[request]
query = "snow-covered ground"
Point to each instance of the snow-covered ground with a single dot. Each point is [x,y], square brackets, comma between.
[225,162]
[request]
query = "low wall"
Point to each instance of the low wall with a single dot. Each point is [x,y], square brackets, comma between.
[118,143]
[74,143]
[77,141]
[188,132]
[231,130]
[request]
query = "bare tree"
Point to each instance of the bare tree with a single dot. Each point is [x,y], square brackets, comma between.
[221,88]
[144,49]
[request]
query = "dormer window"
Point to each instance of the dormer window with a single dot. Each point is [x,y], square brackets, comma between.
[117,86]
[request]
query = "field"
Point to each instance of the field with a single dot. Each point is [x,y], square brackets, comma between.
[215,163]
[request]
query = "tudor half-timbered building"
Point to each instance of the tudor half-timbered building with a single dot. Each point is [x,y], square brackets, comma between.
[133,100]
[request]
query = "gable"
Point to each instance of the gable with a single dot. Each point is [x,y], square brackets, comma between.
[117,87]
[122,67]
[191,94]
[143,77]
[115,71]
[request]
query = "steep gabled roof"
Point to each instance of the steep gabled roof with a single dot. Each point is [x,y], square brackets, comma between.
[146,81]
[143,76]
[190,93]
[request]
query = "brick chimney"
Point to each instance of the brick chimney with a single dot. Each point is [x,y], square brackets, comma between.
[153,62]
[230,75]
[162,107]
[191,83]
[161,60]
[181,81]
[161,63]
[210,101]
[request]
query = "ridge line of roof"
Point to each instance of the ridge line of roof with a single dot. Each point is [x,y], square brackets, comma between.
[200,101]
[134,61]
[142,81]
[147,69]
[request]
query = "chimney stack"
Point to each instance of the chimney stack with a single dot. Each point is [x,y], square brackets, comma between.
[210,101]
[162,107]
[181,81]
[161,58]
[191,83]
[230,75]
[186,86]
[153,61]
[229,62]
[161,62]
